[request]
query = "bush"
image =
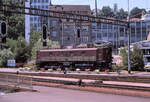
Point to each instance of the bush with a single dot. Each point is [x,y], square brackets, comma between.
[5,54]
[116,68]
[136,59]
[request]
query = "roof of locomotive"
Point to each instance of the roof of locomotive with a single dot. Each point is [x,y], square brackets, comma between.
[78,49]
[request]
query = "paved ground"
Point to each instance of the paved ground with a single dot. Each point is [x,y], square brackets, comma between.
[47,94]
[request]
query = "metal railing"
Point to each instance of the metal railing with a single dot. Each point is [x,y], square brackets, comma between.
[16,81]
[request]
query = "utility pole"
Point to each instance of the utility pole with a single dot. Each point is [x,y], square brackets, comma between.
[96,16]
[96,8]
[128,20]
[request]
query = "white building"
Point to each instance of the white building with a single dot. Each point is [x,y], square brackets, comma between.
[35,22]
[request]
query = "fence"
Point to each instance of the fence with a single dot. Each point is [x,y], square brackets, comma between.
[16,81]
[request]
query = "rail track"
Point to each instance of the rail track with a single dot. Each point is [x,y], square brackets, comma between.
[122,78]
[13,79]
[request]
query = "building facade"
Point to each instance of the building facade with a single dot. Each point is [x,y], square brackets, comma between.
[70,32]
[117,35]
[35,22]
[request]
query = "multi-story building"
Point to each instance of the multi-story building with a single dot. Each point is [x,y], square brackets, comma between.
[70,32]
[35,22]
[117,35]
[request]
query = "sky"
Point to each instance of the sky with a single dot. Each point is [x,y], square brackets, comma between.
[121,3]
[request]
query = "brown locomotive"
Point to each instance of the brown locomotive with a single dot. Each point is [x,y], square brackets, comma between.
[93,57]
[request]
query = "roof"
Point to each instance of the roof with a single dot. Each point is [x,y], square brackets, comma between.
[80,49]
[71,8]
[146,17]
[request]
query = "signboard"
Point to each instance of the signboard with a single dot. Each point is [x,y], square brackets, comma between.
[11,63]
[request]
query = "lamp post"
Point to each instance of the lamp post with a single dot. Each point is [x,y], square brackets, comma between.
[128,20]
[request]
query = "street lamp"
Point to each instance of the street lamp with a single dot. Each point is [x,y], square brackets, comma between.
[128,20]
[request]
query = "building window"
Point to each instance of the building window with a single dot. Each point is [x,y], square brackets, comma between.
[35,6]
[31,18]
[31,1]
[35,18]
[46,7]
[54,33]
[35,1]
[42,1]
[54,23]
[38,6]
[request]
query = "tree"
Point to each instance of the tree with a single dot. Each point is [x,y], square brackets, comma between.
[20,49]
[136,59]
[37,46]
[121,14]
[22,52]
[15,22]
[34,37]
[106,11]
[136,12]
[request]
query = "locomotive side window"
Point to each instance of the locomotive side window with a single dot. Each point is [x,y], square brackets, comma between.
[83,52]
[50,53]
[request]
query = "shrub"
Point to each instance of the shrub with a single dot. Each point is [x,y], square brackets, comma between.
[5,54]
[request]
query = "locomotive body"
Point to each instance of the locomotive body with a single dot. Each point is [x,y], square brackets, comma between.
[94,57]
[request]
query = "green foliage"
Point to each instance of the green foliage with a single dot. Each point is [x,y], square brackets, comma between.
[51,43]
[136,59]
[5,54]
[34,37]
[135,12]
[39,45]
[106,11]
[117,68]
[121,13]
[20,49]
[16,22]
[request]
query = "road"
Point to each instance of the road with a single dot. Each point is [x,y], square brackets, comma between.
[48,94]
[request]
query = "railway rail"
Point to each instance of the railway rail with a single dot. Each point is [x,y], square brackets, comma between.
[121,78]
[38,80]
